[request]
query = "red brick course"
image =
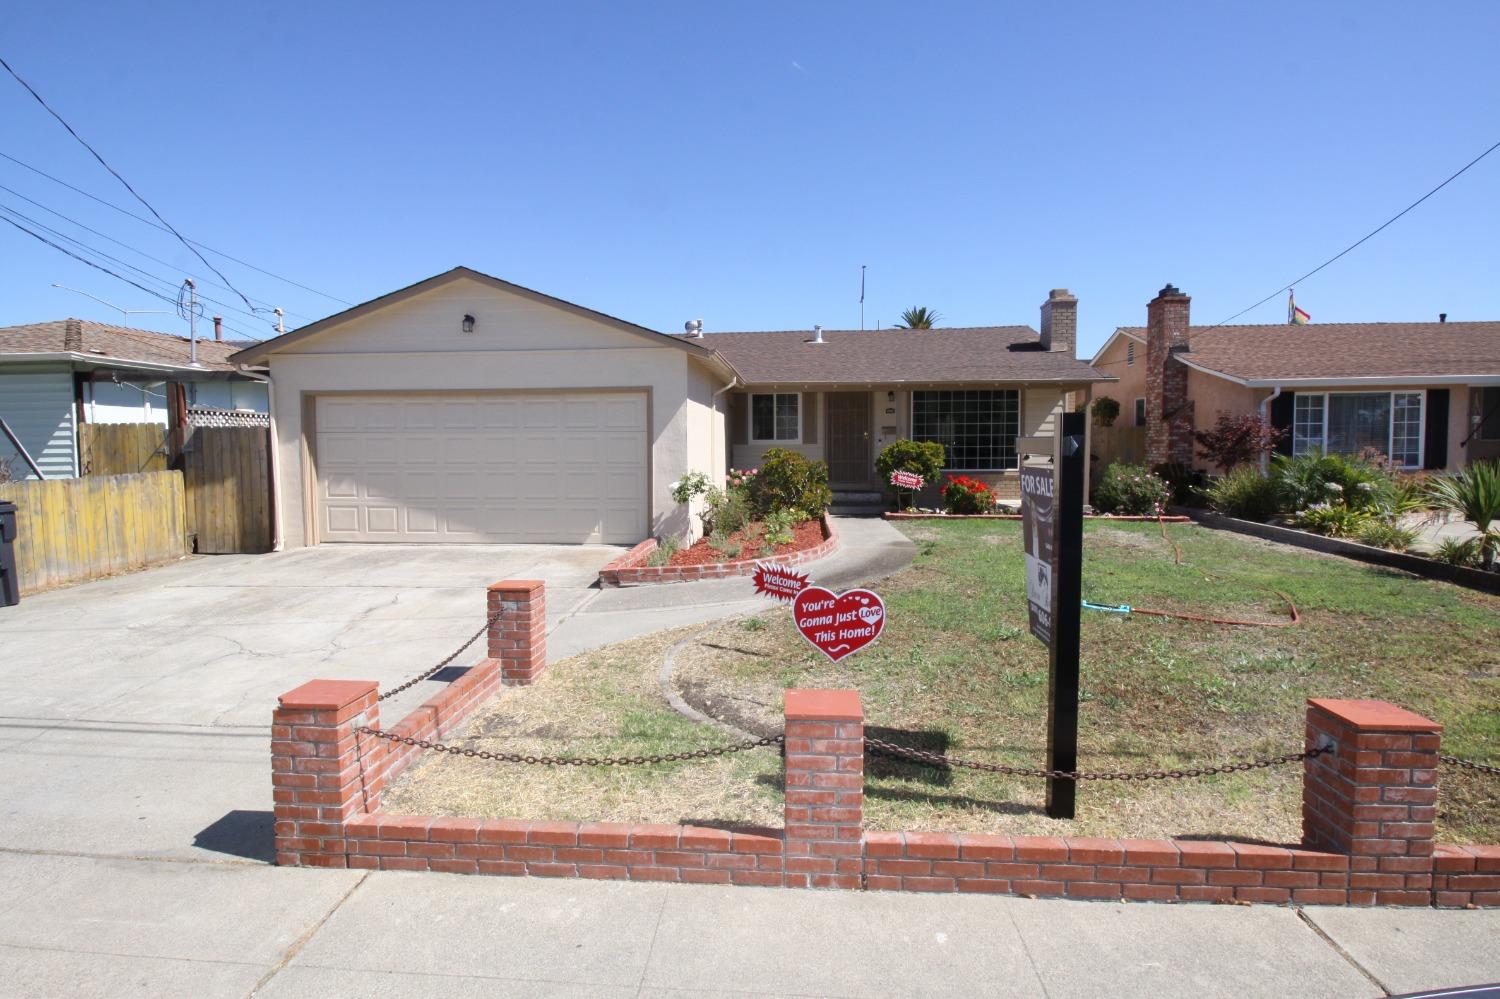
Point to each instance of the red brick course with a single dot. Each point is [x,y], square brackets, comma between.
[518,634]
[631,569]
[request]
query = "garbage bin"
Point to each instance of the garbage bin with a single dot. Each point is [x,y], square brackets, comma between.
[10,582]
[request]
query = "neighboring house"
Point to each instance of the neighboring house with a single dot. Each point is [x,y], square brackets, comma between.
[467,408]
[1426,395]
[57,376]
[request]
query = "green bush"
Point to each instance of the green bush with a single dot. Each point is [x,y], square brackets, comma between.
[1312,479]
[1185,482]
[788,481]
[726,510]
[779,525]
[1457,551]
[1131,490]
[1386,534]
[1334,520]
[1106,411]
[962,494]
[1244,493]
[926,458]
[665,549]
[1473,494]
[690,485]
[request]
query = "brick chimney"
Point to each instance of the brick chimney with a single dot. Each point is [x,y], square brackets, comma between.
[72,336]
[1169,415]
[1060,322]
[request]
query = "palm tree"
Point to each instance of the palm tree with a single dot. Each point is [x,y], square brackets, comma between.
[918,317]
[1474,494]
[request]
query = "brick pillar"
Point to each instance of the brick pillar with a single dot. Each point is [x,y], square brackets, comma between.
[1169,416]
[518,638]
[825,788]
[320,773]
[1374,798]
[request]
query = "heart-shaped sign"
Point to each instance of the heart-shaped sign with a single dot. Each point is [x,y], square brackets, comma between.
[839,624]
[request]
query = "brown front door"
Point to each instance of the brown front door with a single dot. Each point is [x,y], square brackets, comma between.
[849,460]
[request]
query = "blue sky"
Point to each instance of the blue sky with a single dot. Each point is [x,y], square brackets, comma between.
[739,162]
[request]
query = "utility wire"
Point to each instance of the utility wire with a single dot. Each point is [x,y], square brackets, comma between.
[132,249]
[1292,284]
[142,219]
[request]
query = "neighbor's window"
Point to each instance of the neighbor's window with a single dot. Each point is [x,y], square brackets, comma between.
[775,417]
[977,427]
[1140,412]
[1489,411]
[1350,422]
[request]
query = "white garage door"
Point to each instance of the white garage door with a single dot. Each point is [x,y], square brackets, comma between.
[561,467]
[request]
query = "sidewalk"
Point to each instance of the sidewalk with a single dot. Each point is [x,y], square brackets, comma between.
[81,926]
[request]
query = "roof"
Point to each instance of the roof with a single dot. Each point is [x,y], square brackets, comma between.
[1338,351]
[257,352]
[102,343]
[963,354]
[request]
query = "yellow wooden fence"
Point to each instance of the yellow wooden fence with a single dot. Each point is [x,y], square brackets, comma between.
[123,448]
[70,530]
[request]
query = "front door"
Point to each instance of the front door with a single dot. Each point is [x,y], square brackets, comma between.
[849,460]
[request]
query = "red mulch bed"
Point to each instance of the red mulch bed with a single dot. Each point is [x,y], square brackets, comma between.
[804,535]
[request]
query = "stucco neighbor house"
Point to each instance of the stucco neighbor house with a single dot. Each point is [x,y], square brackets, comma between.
[1425,394]
[468,408]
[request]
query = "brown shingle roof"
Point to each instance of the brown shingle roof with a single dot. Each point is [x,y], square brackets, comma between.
[118,342]
[969,354]
[1344,350]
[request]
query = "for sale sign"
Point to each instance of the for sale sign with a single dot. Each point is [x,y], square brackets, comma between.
[1038,530]
[906,480]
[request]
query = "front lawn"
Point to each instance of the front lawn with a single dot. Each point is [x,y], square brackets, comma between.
[955,670]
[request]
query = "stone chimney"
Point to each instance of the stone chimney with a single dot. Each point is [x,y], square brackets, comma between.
[72,336]
[1060,322]
[1169,414]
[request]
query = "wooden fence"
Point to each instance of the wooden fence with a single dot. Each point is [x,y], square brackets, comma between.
[229,489]
[70,530]
[123,448]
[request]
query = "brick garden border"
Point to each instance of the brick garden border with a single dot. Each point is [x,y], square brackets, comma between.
[631,569]
[1101,517]
[1368,815]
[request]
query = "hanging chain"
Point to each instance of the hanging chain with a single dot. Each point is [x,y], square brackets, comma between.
[892,750]
[456,653]
[1483,768]
[575,761]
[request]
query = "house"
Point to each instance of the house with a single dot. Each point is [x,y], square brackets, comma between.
[1425,394]
[468,408]
[56,377]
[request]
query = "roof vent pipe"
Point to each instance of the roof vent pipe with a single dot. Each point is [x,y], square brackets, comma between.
[817,335]
[1442,317]
[218,327]
[693,328]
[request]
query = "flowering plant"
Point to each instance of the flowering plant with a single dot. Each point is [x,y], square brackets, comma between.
[962,494]
[740,477]
[1131,490]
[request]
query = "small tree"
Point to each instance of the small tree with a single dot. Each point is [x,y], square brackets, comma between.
[926,458]
[1236,440]
[918,318]
[1106,411]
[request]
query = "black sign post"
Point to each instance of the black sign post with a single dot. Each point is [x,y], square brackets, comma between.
[1052,525]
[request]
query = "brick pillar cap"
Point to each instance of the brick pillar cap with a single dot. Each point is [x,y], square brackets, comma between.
[1374,715]
[328,694]
[513,585]
[823,705]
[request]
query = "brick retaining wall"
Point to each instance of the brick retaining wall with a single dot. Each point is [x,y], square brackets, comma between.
[631,569]
[1367,813]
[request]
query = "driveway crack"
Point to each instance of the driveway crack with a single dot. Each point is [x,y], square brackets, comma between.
[1341,952]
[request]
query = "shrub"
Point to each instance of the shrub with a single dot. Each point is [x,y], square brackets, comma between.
[1334,520]
[1386,534]
[1185,481]
[1131,490]
[779,524]
[1473,494]
[1238,440]
[1106,411]
[1243,493]
[1456,551]
[962,494]
[726,510]
[720,542]
[690,485]
[1312,479]
[740,478]
[665,549]
[926,458]
[786,480]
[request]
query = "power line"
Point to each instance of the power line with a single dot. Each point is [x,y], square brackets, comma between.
[146,221]
[103,235]
[117,175]
[1292,284]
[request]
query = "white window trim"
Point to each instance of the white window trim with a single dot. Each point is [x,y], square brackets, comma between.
[911,426]
[1390,433]
[750,416]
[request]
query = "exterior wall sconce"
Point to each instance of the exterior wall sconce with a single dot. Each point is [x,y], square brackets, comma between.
[890,397]
[468,324]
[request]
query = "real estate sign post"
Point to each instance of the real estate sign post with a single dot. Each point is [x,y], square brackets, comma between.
[1052,529]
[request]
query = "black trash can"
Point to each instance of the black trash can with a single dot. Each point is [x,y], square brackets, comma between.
[10,582]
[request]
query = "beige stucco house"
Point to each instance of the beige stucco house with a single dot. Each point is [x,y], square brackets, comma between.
[465,408]
[1425,394]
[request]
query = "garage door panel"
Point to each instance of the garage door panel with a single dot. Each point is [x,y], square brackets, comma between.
[567,467]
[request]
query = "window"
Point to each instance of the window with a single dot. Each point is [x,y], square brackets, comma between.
[1489,412]
[1130,353]
[1140,412]
[978,427]
[775,417]
[1351,422]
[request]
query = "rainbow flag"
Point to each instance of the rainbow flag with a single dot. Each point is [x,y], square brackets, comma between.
[1294,315]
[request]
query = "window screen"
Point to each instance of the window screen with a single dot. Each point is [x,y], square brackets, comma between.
[775,417]
[978,427]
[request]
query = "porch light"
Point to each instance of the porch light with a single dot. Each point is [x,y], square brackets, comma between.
[890,397]
[468,324]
